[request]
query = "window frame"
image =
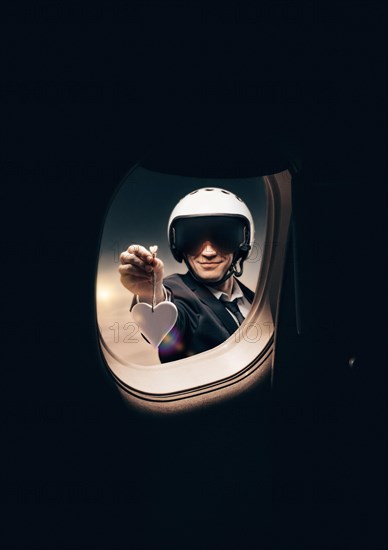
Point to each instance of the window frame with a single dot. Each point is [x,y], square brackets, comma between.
[198,380]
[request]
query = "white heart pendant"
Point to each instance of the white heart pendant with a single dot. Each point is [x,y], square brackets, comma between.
[155,324]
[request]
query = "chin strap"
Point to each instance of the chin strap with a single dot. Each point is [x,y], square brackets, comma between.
[231,271]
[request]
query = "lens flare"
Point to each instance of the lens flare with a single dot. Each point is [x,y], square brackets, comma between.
[172,342]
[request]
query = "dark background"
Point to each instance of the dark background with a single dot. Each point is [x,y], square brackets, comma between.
[85,95]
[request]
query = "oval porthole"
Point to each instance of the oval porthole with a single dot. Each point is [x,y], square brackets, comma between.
[218,249]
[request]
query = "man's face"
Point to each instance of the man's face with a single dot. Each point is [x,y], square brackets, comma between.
[208,263]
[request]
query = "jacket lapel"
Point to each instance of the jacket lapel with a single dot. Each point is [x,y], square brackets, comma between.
[211,301]
[248,293]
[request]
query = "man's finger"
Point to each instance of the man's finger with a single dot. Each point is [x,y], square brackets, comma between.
[126,258]
[129,269]
[158,265]
[141,252]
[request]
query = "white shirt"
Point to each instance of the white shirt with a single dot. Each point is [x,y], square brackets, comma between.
[243,304]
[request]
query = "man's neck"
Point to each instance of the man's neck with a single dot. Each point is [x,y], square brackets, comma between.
[226,286]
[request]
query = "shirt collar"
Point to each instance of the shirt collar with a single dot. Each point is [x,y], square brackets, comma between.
[219,294]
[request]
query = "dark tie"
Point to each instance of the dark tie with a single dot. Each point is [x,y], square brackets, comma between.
[233,307]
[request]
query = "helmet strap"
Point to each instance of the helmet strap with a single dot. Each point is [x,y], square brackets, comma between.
[241,268]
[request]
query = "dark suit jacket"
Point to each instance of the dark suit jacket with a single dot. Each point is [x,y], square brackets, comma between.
[203,321]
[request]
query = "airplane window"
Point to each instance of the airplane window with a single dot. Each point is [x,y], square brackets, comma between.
[182,293]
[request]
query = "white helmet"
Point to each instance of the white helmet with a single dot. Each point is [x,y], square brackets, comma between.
[212,214]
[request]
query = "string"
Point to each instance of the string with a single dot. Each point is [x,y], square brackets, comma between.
[153,289]
[153,250]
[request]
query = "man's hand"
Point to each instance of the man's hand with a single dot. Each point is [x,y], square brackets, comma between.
[136,266]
